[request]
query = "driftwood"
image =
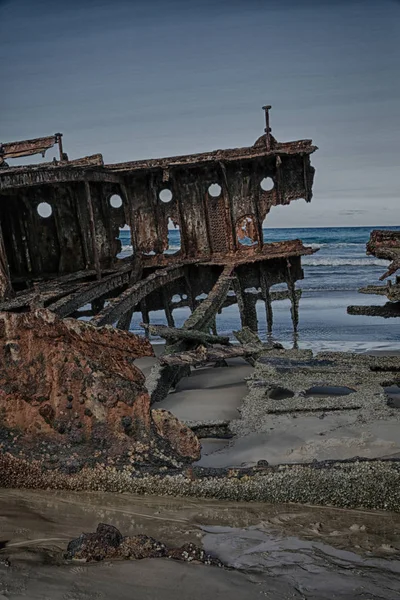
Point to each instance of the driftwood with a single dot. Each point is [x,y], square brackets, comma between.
[174,334]
[203,355]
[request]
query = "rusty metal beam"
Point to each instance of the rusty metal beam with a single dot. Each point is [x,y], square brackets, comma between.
[258,150]
[92,225]
[200,357]
[28,147]
[67,173]
[6,289]
[137,292]
[204,314]
[175,334]
[69,304]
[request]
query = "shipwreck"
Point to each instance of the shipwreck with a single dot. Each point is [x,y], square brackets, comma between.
[60,224]
[76,412]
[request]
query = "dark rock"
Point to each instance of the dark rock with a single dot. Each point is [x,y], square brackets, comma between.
[95,546]
[108,543]
[192,553]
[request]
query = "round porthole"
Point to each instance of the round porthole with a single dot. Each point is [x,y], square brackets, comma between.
[116,201]
[267,184]
[165,195]
[215,190]
[44,210]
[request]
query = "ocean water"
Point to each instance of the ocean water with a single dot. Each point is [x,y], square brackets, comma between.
[332,277]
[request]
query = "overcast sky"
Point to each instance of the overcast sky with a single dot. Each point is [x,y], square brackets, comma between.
[135,79]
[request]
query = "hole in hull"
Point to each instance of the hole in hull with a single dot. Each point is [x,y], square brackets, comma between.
[174,237]
[215,190]
[124,239]
[44,210]
[246,231]
[267,184]
[115,201]
[165,195]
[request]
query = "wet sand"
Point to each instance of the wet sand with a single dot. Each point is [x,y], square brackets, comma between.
[216,394]
[272,551]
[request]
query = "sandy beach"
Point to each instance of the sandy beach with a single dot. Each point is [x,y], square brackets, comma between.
[214,394]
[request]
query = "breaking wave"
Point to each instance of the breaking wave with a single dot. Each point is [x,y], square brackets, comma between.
[318,245]
[171,248]
[343,262]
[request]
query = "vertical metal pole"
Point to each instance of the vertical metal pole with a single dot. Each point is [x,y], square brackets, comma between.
[167,307]
[305,174]
[92,225]
[267,129]
[267,299]
[5,280]
[293,298]
[60,146]
[145,316]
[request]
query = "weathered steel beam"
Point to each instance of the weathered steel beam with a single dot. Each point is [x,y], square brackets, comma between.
[258,150]
[231,300]
[92,225]
[125,321]
[266,295]
[54,289]
[175,334]
[65,173]
[246,304]
[203,316]
[6,289]
[135,293]
[204,355]
[28,147]
[69,304]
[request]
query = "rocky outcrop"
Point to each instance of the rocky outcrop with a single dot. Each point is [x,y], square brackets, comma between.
[107,542]
[71,396]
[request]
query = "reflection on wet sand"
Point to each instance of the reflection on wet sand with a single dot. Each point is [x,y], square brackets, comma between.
[279,551]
